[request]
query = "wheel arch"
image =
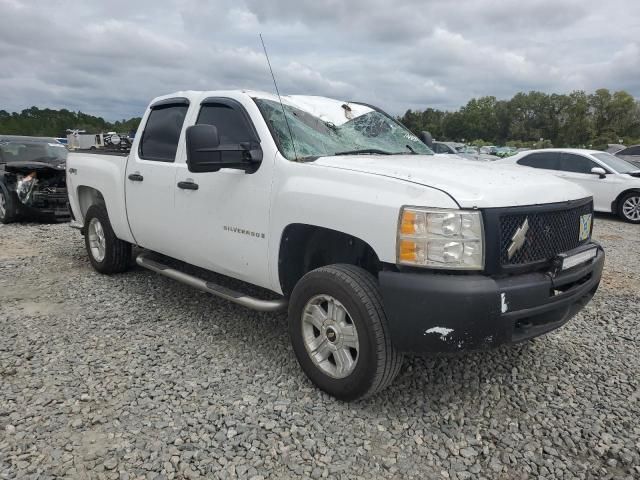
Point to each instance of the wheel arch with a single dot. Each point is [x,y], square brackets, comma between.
[616,203]
[305,247]
[88,196]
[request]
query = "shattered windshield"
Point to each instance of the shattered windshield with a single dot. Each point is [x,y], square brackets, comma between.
[323,127]
[30,151]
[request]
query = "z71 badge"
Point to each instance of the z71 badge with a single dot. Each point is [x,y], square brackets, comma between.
[585,226]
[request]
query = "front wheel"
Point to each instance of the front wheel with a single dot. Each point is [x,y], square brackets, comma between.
[629,207]
[108,254]
[339,332]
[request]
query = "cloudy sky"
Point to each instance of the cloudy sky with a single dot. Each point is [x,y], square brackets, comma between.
[110,57]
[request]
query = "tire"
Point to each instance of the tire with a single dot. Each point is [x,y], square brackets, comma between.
[374,363]
[8,210]
[629,207]
[116,254]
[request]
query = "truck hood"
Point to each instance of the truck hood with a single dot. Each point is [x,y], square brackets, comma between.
[470,183]
[26,167]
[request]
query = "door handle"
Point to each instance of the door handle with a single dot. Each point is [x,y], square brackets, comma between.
[136,177]
[188,185]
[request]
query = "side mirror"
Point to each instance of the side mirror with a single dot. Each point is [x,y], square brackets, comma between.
[426,138]
[206,154]
[601,172]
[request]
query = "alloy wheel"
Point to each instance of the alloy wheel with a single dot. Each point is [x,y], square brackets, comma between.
[97,240]
[3,205]
[330,336]
[631,208]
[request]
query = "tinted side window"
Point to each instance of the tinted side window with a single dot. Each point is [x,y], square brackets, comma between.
[630,151]
[576,163]
[233,127]
[162,132]
[546,160]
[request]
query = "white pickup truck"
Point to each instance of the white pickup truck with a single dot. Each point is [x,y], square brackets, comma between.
[376,246]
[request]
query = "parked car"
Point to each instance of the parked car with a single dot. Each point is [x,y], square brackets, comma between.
[460,151]
[614,148]
[488,149]
[630,154]
[504,151]
[450,149]
[443,147]
[613,182]
[32,178]
[374,245]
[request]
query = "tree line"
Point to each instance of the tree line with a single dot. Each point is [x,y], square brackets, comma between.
[54,123]
[529,119]
[536,119]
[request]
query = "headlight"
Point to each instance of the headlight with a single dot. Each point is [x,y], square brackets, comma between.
[439,238]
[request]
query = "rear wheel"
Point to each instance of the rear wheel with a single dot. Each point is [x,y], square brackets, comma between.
[339,332]
[108,254]
[629,207]
[8,209]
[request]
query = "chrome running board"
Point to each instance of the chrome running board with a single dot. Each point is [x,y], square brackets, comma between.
[218,290]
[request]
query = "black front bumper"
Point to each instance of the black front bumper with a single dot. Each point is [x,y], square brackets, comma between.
[47,205]
[433,312]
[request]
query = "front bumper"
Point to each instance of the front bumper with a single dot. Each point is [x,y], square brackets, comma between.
[52,205]
[432,312]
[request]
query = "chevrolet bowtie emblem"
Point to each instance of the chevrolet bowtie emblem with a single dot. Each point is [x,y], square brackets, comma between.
[518,239]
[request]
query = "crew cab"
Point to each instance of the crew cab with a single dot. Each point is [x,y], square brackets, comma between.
[375,246]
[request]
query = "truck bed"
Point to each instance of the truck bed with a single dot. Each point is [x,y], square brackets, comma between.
[103,172]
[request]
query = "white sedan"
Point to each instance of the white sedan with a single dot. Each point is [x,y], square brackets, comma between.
[613,182]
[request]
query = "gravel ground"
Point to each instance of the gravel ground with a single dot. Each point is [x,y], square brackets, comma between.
[136,376]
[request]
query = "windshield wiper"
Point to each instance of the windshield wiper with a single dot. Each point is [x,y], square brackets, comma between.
[364,151]
[411,149]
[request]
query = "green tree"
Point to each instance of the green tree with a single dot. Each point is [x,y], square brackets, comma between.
[572,120]
[54,123]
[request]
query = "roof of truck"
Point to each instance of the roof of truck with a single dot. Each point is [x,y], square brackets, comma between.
[329,109]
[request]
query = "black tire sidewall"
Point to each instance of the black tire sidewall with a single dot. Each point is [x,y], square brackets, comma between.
[10,208]
[621,205]
[361,379]
[100,213]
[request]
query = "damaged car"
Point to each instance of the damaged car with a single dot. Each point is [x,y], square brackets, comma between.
[32,179]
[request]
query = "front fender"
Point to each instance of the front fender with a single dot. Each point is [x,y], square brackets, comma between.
[362,205]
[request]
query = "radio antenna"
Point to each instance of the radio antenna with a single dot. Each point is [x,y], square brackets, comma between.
[293,144]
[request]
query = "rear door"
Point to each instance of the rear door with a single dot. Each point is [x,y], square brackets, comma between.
[150,177]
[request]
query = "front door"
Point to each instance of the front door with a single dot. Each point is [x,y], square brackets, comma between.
[150,177]
[226,220]
[577,169]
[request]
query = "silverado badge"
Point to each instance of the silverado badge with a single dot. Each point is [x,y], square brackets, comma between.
[585,227]
[518,239]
